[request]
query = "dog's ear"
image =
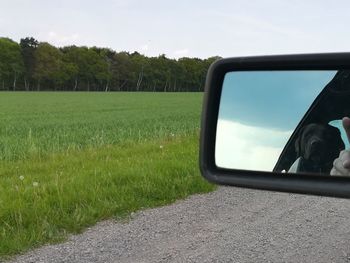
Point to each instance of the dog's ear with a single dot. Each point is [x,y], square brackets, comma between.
[297,144]
[338,140]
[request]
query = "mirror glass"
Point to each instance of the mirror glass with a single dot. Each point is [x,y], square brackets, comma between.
[282,121]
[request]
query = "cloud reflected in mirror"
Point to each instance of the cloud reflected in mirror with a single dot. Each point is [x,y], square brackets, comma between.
[259,111]
[241,146]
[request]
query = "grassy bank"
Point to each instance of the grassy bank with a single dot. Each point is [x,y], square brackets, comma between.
[50,189]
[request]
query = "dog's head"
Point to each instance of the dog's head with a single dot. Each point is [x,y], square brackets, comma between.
[319,144]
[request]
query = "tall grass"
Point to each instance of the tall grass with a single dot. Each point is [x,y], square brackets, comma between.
[71,159]
[42,123]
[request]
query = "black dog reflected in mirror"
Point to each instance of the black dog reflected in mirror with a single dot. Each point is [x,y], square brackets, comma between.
[317,145]
[330,105]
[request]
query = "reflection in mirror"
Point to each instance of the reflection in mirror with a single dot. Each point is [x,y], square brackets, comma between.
[282,121]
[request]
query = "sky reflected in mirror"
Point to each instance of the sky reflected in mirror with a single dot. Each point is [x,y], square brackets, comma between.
[259,110]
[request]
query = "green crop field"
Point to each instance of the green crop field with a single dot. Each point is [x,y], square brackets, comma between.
[68,160]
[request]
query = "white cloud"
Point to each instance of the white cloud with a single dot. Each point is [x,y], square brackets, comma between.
[181,52]
[240,146]
[231,28]
[144,48]
[62,39]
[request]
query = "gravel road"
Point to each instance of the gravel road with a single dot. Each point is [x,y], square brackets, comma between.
[228,225]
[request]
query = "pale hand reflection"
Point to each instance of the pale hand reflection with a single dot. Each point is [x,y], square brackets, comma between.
[341,165]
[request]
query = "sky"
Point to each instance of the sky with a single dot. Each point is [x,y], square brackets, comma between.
[253,98]
[259,112]
[192,28]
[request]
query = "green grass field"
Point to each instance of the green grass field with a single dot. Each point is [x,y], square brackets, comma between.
[68,160]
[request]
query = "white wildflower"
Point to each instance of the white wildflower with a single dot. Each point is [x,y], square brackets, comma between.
[21,177]
[161,146]
[172,134]
[35,184]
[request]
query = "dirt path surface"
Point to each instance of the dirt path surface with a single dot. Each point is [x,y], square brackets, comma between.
[228,225]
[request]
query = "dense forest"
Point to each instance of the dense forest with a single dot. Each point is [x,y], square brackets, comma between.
[38,66]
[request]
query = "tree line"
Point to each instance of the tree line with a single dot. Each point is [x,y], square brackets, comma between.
[38,66]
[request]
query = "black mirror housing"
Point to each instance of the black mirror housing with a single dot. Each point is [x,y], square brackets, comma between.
[296,183]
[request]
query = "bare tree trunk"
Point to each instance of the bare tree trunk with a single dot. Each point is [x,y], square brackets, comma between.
[106,89]
[139,81]
[75,84]
[166,84]
[14,81]
[26,87]
[121,87]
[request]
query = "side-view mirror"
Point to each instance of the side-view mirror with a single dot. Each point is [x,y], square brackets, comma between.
[278,123]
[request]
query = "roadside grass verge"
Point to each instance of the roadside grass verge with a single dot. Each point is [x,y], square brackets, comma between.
[70,159]
[43,200]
